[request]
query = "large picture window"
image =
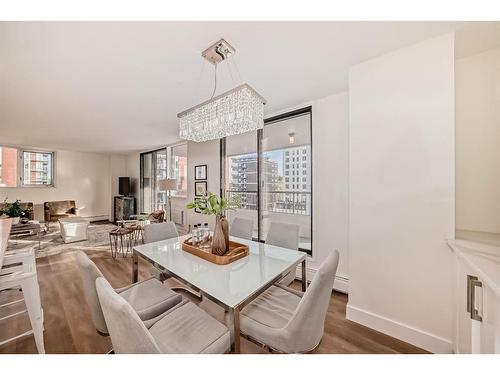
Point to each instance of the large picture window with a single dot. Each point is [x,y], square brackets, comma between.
[270,171]
[26,168]
[168,162]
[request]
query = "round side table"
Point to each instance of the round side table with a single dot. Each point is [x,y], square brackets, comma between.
[121,241]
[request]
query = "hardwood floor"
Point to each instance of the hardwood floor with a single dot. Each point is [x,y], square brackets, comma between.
[69,329]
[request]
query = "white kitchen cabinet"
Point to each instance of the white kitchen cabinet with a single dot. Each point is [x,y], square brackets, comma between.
[477,324]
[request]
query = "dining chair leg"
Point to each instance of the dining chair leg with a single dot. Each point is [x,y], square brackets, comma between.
[31,293]
[304,276]
[135,267]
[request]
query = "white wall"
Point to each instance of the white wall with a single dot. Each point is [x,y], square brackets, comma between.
[80,176]
[402,193]
[330,183]
[478,137]
[203,153]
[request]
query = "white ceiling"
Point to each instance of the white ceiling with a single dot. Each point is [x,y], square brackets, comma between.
[117,86]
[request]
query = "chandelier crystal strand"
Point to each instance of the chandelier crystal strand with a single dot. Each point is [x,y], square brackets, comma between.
[237,111]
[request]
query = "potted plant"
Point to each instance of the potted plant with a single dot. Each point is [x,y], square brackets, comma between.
[15,211]
[212,204]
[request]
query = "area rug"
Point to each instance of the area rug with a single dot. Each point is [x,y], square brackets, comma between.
[51,243]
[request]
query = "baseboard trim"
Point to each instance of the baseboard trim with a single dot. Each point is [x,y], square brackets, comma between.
[97,218]
[340,284]
[401,331]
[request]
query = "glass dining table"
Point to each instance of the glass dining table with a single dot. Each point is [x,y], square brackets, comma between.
[231,286]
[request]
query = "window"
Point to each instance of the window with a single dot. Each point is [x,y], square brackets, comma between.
[168,162]
[38,168]
[178,167]
[26,168]
[278,190]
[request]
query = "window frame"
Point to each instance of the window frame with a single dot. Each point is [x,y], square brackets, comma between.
[53,168]
[20,167]
[170,160]
[268,121]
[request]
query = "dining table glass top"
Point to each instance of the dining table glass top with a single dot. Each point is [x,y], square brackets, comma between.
[230,284]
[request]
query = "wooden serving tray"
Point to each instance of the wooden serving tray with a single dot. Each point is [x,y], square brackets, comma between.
[236,251]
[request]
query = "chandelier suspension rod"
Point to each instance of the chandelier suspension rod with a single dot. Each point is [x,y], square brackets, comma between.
[215,83]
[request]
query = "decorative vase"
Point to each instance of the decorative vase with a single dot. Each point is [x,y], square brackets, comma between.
[15,220]
[220,239]
[225,229]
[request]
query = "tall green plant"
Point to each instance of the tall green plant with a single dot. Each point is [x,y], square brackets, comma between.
[212,204]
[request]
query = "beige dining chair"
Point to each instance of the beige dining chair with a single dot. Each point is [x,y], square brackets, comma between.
[242,228]
[289,321]
[158,232]
[284,235]
[149,297]
[184,329]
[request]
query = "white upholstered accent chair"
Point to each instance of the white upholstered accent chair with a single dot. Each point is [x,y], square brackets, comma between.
[242,228]
[158,232]
[290,321]
[149,298]
[183,329]
[284,235]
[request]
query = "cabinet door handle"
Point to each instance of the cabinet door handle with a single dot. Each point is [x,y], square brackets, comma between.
[470,278]
[474,313]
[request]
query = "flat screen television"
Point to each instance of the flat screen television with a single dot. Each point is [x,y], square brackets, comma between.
[124,186]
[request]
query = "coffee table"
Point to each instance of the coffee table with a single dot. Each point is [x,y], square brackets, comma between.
[29,229]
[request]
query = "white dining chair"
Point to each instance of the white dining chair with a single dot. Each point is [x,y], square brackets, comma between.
[159,231]
[19,271]
[242,228]
[184,329]
[287,320]
[287,236]
[149,298]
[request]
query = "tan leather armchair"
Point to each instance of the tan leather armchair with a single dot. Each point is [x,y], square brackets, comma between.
[56,210]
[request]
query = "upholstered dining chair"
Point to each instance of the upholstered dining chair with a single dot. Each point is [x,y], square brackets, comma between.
[290,321]
[284,235]
[183,329]
[242,228]
[149,298]
[158,232]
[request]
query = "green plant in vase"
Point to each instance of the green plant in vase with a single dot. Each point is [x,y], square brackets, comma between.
[212,204]
[15,211]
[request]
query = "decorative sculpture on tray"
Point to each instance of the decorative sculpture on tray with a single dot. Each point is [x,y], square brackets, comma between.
[212,204]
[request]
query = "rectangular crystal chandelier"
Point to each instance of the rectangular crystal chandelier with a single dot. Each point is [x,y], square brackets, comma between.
[236,111]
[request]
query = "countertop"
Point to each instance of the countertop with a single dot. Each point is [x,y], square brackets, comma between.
[481,251]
